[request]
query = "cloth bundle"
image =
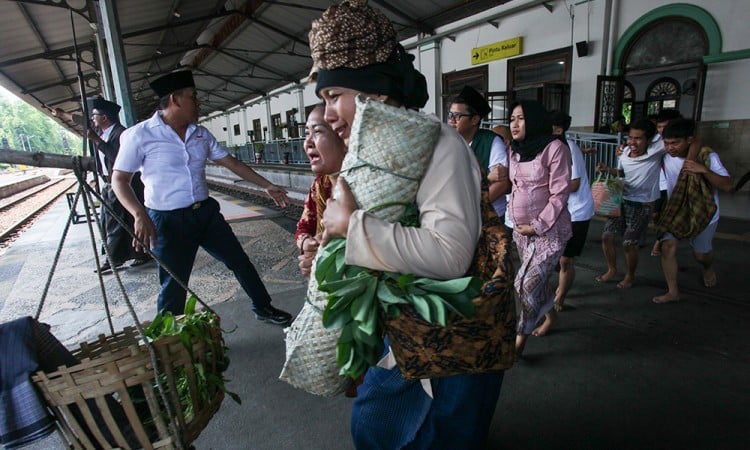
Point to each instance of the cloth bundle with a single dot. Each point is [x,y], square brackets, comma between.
[482,343]
[607,193]
[691,206]
[389,151]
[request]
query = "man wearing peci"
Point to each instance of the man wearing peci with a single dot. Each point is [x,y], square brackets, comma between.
[171,151]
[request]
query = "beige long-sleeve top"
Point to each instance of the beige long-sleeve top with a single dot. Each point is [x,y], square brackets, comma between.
[450,216]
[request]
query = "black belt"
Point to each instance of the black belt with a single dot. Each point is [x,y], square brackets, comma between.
[197,205]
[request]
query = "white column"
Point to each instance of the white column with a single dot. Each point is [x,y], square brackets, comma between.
[245,126]
[428,62]
[269,123]
[229,130]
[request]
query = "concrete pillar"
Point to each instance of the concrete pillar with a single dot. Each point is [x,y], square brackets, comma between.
[428,60]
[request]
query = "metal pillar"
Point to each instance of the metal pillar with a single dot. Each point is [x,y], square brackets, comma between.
[110,26]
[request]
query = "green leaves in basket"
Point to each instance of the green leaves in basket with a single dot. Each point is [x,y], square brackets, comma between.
[356,295]
[194,326]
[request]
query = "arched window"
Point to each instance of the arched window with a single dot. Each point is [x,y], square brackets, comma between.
[667,42]
[628,97]
[663,93]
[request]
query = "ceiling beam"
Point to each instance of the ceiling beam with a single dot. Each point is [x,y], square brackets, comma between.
[178,24]
[421,26]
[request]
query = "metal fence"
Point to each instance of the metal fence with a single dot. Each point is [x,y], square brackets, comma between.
[282,151]
[596,148]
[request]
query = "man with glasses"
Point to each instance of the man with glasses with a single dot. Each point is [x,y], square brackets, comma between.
[172,151]
[466,112]
[104,133]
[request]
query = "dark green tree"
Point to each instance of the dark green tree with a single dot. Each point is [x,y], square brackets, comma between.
[25,128]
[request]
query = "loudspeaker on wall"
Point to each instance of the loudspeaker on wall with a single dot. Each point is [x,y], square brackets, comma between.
[582,48]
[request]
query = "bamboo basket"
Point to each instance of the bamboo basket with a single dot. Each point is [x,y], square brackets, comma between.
[110,399]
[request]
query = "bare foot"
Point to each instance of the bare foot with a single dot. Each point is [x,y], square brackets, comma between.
[606,276]
[656,249]
[558,301]
[709,277]
[541,330]
[666,298]
[520,344]
[625,283]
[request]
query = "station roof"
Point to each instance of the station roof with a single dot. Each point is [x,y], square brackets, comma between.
[238,50]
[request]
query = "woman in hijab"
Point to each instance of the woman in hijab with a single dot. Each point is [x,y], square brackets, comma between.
[355,52]
[540,166]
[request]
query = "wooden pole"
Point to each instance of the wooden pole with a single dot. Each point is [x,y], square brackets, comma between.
[39,159]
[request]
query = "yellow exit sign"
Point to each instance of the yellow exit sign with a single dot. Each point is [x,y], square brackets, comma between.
[498,50]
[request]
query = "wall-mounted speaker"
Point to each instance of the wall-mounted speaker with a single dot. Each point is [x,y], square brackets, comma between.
[582,48]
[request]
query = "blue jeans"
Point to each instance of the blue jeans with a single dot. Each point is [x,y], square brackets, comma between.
[180,232]
[391,412]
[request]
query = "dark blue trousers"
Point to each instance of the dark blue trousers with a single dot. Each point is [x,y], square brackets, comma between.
[391,412]
[180,232]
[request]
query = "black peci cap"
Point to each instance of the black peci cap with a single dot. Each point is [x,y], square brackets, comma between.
[111,109]
[172,82]
[475,100]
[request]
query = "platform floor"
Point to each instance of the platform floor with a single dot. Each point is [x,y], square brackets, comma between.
[616,372]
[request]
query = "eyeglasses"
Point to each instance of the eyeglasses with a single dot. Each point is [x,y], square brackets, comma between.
[96,114]
[456,116]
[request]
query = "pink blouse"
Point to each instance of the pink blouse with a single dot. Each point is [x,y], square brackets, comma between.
[540,190]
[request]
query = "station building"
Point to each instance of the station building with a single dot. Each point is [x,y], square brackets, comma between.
[596,59]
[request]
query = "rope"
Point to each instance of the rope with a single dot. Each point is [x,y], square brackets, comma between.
[83,187]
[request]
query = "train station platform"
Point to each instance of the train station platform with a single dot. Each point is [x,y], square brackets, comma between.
[617,371]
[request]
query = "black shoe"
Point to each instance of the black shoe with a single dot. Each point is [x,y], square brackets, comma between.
[272,315]
[106,269]
[140,261]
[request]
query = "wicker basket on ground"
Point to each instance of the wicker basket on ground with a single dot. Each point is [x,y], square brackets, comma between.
[111,400]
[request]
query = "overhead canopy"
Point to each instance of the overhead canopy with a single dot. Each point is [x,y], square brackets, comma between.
[238,49]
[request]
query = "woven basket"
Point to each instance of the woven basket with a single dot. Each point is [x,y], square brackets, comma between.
[110,400]
[311,349]
[389,151]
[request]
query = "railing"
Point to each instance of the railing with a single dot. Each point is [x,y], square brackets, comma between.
[596,148]
[281,151]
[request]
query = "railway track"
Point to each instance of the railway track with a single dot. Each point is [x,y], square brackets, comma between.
[20,210]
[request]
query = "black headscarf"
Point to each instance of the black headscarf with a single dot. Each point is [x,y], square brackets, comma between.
[396,78]
[538,130]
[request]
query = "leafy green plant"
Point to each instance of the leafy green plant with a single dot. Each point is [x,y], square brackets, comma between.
[191,327]
[356,297]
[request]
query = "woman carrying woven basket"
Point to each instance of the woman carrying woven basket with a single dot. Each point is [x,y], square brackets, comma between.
[540,166]
[355,53]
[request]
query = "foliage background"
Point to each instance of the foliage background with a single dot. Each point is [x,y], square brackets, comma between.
[19,118]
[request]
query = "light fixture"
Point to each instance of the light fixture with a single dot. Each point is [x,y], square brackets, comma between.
[177,14]
[494,23]
[158,52]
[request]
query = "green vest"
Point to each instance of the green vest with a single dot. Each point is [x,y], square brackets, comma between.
[482,145]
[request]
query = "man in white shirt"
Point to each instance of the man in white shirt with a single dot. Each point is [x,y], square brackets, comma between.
[639,164]
[179,216]
[580,206]
[677,136]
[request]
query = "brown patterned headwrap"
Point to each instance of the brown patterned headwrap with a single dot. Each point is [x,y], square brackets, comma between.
[351,34]
[354,45]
